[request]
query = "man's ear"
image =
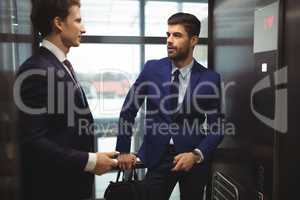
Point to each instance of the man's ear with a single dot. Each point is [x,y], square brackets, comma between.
[194,40]
[57,24]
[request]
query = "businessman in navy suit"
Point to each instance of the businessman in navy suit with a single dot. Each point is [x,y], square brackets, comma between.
[57,154]
[182,113]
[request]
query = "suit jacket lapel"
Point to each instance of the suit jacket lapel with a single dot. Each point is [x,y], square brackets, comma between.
[161,78]
[53,59]
[165,78]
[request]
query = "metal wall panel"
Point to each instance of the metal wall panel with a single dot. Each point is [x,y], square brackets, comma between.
[247,156]
[289,148]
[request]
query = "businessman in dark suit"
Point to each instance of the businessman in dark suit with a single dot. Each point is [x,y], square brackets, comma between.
[182,96]
[57,143]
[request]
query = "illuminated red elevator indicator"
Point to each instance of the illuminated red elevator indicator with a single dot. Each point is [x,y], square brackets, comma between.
[269,21]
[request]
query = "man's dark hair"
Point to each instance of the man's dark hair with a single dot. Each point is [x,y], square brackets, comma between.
[190,23]
[44,11]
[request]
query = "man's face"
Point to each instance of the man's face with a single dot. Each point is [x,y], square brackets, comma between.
[179,44]
[72,28]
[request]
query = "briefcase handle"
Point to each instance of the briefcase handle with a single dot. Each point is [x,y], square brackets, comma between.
[133,175]
[138,165]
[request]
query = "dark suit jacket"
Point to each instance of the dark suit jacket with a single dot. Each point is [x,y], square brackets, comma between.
[193,112]
[54,151]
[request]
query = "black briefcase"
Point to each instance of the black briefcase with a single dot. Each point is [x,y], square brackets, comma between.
[126,189]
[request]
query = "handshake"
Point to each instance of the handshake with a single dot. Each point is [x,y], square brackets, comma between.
[106,161]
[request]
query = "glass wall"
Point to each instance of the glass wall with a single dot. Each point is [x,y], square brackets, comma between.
[14,16]
[111,17]
[106,72]
[13,51]
[108,67]
[23,25]
[158,12]
[7,16]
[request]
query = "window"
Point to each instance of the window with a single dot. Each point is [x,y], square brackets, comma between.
[23,25]
[107,68]
[13,52]
[111,17]
[106,72]
[112,56]
[12,21]
[158,12]
[200,10]
[156,16]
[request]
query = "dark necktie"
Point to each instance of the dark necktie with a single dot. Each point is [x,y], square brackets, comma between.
[70,67]
[174,91]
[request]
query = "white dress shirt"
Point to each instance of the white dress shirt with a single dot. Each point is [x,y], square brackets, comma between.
[61,56]
[184,81]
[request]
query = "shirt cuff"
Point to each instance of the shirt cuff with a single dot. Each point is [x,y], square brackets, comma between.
[199,152]
[91,163]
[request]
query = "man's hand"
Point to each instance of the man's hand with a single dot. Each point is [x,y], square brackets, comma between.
[126,161]
[105,162]
[185,161]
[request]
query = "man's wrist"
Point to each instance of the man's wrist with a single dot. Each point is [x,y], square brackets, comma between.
[198,155]
[91,163]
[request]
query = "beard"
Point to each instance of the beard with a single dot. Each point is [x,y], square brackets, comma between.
[178,54]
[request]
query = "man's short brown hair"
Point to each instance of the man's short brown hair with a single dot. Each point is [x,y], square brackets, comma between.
[191,23]
[44,11]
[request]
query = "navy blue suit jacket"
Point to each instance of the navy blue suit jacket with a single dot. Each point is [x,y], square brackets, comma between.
[201,101]
[53,152]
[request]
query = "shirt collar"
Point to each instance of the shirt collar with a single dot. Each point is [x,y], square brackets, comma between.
[60,55]
[184,71]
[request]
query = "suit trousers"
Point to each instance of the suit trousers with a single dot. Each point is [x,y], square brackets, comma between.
[160,180]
